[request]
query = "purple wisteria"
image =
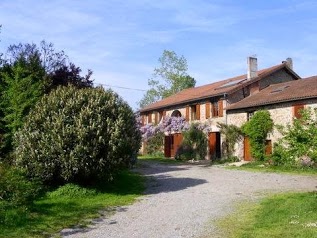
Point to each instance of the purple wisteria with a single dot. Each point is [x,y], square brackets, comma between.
[167,126]
[170,125]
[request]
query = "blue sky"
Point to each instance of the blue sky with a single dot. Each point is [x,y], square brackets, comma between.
[121,41]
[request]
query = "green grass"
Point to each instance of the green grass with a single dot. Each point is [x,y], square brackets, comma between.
[284,215]
[71,205]
[262,167]
[160,159]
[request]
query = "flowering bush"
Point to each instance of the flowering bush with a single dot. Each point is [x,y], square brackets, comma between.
[298,146]
[167,126]
[77,135]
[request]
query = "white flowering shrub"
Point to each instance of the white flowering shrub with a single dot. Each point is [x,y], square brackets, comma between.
[77,135]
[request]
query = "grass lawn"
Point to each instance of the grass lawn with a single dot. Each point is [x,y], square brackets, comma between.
[285,215]
[262,167]
[160,159]
[71,205]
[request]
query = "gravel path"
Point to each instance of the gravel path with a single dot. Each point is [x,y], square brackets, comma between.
[183,200]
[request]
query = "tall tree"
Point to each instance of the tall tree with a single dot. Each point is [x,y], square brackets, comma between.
[170,78]
[58,69]
[23,85]
[28,72]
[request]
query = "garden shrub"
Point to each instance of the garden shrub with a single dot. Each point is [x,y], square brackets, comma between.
[232,135]
[194,145]
[77,135]
[298,146]
[155,144]
[72,191]
[16,189]
[257,129]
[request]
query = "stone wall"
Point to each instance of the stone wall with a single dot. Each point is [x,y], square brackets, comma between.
[281,114]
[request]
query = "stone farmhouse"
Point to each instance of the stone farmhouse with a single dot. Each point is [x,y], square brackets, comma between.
[277,89]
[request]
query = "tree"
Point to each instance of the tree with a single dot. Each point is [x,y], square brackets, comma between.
[170,78]
[55,63]
[22,85]
[77,135]
[28,72]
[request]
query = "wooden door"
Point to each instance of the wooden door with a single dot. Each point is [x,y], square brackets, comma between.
[167,146]
[247,149]
[214,145]
[177,141]
[268,147]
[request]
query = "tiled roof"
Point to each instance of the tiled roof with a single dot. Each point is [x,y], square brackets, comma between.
[283,92]
[211,90]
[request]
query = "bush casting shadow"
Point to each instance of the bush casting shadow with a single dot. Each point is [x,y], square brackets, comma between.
[165,184]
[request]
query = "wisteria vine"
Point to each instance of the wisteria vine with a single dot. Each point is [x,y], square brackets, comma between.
[169,125]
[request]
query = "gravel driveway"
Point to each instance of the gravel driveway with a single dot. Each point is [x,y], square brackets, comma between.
[183,200]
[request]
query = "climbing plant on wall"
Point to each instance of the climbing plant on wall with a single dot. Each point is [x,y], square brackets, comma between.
[257,129]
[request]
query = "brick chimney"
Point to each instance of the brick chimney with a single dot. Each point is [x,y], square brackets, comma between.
[288,62]
[252,67]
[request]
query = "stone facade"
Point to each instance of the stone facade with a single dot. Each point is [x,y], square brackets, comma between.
[281,114]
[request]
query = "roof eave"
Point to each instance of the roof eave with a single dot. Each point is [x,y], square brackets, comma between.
[182,103]
[271,103]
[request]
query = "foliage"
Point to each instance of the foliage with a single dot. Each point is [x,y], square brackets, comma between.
[281,215]
[232,135]
[257,129]
[70,205]
[171,77]
[71,190]
[194,144]
[77,135]
[15,189]
[167,126]
[26,74]
[298,146]
[155,144]
[268,166]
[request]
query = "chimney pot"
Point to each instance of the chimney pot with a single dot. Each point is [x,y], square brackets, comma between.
[252,67]
[289,63]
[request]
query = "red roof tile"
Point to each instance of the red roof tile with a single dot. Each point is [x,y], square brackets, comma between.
[282,92]
[211,90]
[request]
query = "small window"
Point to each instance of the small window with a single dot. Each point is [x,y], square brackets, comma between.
[176,113]
[207,109]
[250,115]
[149,118]
[156,117]
[160,115]
[193,112]
[217,108]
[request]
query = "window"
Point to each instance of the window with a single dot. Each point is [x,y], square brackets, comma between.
[207,109]
[161,113]
[176,113]
[142,120]
[215,111]
[193,112]
[156,118]
[250,115]
[149,118]
[217,108]
[297,110]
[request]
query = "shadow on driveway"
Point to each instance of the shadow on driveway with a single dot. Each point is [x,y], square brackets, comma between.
[166,184]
